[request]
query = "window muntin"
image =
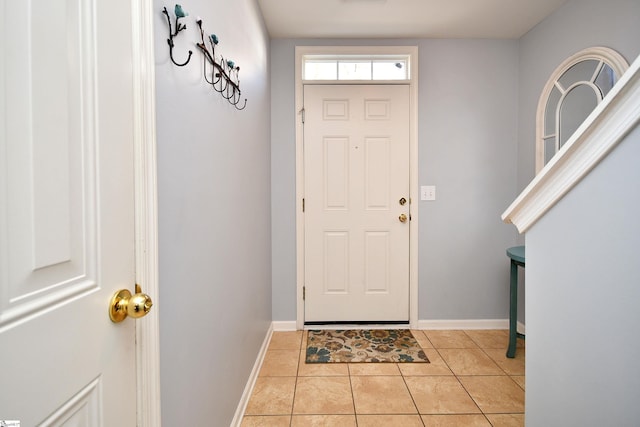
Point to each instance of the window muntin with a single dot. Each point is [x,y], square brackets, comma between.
[574,89]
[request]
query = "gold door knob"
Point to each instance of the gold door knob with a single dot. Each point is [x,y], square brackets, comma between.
[124,304]
[402,218]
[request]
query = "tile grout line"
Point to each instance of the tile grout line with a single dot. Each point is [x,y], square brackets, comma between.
[411,395]
[458,379]
[496,363]
[465,389]
[493,361]
[295,384]
[353,397]
[506,374]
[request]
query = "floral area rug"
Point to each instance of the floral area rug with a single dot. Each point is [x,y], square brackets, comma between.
[363,345]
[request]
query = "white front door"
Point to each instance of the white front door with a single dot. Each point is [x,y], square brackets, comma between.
[66,212]
[356,189]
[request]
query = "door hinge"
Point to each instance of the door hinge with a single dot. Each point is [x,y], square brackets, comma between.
[302,114]
[304,293]
[303,204]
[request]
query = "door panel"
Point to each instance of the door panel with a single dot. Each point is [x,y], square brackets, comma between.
[356,161]
[336,173]
[377,173]
[336,262]
[376,263]
[66,212]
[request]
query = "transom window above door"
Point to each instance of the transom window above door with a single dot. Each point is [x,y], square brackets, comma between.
[355,67]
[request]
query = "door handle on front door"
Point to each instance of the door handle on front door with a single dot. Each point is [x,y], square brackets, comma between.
[402,218]
[124,304]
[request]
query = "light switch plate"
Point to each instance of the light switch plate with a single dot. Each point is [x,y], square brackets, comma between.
[428,192]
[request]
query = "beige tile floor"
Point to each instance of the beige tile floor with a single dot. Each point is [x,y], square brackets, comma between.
[469,382]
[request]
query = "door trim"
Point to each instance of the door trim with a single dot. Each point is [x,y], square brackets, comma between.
[146,212]
[412,51]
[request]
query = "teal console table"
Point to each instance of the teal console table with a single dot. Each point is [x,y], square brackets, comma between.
[516,254]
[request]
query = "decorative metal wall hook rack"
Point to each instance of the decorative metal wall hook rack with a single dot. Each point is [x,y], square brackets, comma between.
[223,76]
[179,27]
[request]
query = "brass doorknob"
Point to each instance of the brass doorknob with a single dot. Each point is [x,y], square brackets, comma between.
[402,218]
[124,304]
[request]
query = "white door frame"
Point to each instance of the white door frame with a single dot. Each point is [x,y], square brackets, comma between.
[146,212]
[412,51]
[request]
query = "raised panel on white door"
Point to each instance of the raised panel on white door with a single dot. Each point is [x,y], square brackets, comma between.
[336,172]
[336,262]
[335,109]
[377,109]
[377,262]
[377,172]
[56,100]
[49,148]
[81,410]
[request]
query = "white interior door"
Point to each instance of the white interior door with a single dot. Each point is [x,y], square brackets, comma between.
[356,178]
[66,212]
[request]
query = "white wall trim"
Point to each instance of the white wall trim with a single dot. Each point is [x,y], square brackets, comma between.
[464,324]
[605,127]
[253,377]
[146,213]
[284,325]
[412,51]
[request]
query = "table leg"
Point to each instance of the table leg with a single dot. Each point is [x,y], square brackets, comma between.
[513,310]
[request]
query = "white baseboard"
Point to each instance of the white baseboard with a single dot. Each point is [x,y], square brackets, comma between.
[464,324]
[284,325]
[520,328]
[253,377]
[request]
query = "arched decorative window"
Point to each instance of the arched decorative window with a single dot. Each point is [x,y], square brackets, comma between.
[575,88]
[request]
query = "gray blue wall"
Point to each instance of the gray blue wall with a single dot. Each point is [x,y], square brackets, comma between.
[467,129]
[577,25]
[214,216]
[582,296]
[227,200]
[579,296]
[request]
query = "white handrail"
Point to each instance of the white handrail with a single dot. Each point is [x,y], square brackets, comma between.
[603,129]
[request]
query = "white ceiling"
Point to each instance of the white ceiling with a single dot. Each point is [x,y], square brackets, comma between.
[504,19]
